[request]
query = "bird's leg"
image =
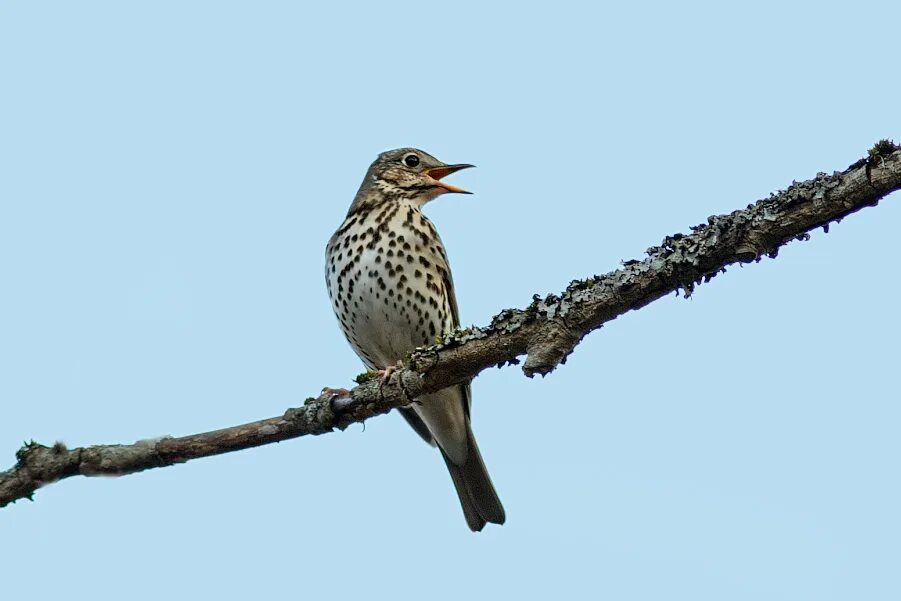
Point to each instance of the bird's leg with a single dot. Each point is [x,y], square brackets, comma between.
[386,373]
[339,398]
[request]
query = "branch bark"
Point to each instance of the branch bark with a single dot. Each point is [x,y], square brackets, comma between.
[546,331]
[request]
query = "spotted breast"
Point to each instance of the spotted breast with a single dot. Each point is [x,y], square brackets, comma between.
[389,283]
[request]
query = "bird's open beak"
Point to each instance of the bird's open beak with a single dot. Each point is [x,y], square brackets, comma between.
[436,173]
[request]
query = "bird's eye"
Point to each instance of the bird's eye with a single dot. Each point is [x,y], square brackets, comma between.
[411,160]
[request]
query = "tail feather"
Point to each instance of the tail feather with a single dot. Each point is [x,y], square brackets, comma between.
[477,495]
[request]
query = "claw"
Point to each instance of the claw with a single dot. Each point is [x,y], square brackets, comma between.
[385,374]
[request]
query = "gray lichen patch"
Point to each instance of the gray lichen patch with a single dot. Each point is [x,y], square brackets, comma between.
[546,330]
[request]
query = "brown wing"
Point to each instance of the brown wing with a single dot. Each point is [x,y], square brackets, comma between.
[447,280]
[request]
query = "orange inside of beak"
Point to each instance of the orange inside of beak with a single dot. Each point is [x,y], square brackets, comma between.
[436,173]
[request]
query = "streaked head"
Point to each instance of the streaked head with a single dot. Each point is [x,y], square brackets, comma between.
[405,174]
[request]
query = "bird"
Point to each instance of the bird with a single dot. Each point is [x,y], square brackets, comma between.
[389,283]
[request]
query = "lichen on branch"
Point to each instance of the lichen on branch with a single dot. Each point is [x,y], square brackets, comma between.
[546,331]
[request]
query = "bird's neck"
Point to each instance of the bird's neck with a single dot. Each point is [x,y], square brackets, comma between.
[382,193]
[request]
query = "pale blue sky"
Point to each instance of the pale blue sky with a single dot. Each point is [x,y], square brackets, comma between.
[170,173]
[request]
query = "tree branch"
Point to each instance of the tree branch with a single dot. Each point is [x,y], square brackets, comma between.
[546,331]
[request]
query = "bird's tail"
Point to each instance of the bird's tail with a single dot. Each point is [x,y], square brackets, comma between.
[477,495]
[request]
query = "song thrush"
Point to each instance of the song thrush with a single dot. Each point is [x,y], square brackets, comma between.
[390,285]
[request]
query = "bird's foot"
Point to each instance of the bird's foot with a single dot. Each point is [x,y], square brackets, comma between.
[339,398]
[385,374]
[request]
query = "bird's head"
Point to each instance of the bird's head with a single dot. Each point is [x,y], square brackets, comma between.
[405,174]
